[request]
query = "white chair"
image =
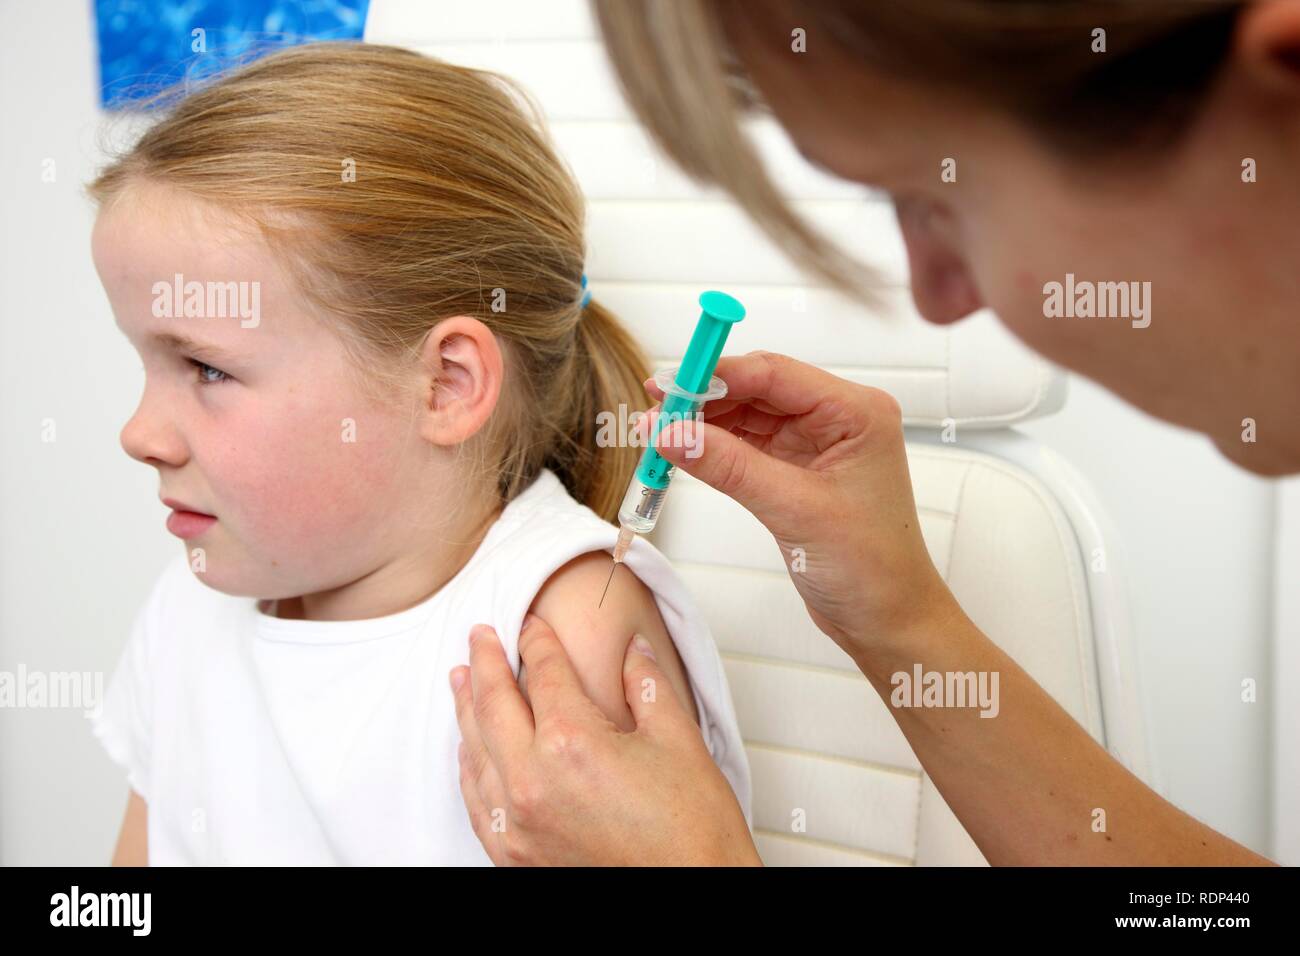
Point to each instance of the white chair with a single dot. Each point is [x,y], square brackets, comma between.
[1010,526]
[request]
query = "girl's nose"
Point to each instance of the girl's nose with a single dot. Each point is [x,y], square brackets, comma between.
[151,436]
[942,286]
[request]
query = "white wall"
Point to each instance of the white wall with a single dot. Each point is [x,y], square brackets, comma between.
[1285,697]
[81,534]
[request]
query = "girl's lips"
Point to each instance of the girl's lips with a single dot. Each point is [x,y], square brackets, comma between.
[189,524]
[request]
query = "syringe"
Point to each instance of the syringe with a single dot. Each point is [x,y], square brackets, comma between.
[686,388]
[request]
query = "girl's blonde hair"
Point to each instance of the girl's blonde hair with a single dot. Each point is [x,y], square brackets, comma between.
[459,204]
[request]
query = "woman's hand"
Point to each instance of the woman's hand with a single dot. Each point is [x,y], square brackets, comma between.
[559,784]
[820,462]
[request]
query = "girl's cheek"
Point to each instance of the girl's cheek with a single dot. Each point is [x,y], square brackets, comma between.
[313,482]
[260,476]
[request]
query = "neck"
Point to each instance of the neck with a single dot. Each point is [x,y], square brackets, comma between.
[401,583]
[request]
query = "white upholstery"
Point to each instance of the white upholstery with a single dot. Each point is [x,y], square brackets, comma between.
[1011,528]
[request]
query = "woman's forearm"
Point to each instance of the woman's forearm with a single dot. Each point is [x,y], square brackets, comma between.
[1027,784]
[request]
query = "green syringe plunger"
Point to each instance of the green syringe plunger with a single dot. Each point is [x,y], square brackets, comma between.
[686,388]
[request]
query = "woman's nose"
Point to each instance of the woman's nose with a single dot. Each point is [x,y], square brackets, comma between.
[942,286]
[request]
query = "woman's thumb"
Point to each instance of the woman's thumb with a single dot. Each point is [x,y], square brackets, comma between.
[719,458]
[649,694]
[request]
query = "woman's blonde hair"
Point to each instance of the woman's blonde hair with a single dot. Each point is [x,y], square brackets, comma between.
[1032,58]
[459,205]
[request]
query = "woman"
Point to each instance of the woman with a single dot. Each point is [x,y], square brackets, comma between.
[1143,141]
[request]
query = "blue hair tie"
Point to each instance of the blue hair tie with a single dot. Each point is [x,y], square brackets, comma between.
[586,293]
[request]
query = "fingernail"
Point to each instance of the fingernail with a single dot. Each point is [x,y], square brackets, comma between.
[669,437]
[457,677]
[642,645]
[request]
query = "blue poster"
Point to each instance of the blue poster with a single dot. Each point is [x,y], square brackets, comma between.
[149,45]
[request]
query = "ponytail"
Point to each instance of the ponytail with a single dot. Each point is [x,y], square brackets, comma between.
[612,370]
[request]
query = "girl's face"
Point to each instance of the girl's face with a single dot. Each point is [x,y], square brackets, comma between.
[1216,260]
[254,416]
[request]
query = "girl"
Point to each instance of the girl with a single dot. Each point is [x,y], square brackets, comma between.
[355,277]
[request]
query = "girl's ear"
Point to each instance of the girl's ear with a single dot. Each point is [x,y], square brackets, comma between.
[461,374]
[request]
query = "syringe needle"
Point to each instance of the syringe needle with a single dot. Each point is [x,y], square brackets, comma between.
[611,578]
[620,549]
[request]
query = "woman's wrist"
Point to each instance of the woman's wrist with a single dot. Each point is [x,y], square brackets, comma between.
[933,618]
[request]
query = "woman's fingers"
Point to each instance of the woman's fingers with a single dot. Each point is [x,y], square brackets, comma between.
[479,794]
[480,784]
[779,383]
[718,406]
[774,382]
[498,715]
[743,418]
[750,419]
[553,685]
[650,695]
[759,482]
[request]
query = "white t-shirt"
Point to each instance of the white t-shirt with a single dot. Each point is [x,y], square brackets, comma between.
[258,740]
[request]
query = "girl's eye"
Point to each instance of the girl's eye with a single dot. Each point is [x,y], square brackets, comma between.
[203,368]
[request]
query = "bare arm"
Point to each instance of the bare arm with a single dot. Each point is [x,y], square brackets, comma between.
[133,841]
[1025,784]
[595,638]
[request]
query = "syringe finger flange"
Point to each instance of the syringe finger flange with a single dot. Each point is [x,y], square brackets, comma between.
[665,378]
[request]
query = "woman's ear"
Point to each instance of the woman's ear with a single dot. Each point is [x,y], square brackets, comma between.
[461,374]
[1267,43]
[942,286]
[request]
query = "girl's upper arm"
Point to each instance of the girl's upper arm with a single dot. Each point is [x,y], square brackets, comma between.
[596,638]
[133,841]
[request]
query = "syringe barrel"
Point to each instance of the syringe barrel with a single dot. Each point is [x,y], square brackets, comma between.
[693,382]
[649,485]
[641,506]
[654,470]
